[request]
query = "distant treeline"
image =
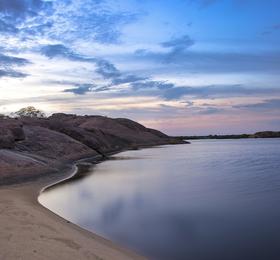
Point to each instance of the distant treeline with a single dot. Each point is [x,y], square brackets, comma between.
[264,134]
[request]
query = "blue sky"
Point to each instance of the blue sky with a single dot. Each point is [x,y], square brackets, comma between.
[182,66]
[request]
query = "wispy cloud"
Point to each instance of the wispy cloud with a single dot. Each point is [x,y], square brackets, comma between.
[24,17]
[59,50]
[170,91]
[27,22]
[7,64]
[7,28]
[103,67]
[144,85]
[80,89]
[22,8]
[266,105]
[181,43]
[214,62]
[12,73]
[89,20]
[7,60]
[107,69]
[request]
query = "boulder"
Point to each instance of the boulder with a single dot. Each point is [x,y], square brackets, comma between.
[10,132]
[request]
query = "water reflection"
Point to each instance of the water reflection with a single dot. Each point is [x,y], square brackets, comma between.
[208,200]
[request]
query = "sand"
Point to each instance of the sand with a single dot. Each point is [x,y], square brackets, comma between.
[30,231]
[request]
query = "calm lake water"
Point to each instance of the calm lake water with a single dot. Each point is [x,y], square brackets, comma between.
[212,199]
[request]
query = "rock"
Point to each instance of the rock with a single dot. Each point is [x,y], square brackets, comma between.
[10,132]
[52,145]
[6,139]
[15,167]
[49,144]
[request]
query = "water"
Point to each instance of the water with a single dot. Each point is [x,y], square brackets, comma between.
[213,199]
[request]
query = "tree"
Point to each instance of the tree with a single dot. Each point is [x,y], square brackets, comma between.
[29,111]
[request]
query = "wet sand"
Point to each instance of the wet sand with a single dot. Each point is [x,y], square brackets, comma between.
[30,231]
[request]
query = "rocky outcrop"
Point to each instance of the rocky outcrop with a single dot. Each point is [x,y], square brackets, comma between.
[33,146]
[125,131]
[16,166]
[10,132]
[51,145]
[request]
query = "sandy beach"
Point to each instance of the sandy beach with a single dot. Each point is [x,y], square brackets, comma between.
[30,231]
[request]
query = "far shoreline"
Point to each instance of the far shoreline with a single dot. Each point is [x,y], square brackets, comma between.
[263,134]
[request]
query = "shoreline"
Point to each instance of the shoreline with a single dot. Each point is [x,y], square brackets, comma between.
[81,166]
[31,231]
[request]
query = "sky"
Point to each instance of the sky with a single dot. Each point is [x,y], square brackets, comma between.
[186,67]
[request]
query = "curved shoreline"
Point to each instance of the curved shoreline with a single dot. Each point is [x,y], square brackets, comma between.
[74,171]
[39,233]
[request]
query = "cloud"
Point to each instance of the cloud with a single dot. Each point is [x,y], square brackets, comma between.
[8,62]
[210,111]
[152,85]
[107,69]
[215,91]
[182,43]
[63,21]
[180,55]
[22,8]
[177,47]
[12,74]
[25,24]
[103,67]
[266,105]
[138,85]
[191,109]
[213,62]
[127,79]
[7,28]
[187,103]
[89,20]
[177,92]
[80,89]
[59,50]
[170,91]
[36,29]
[73,87]
[22,16]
